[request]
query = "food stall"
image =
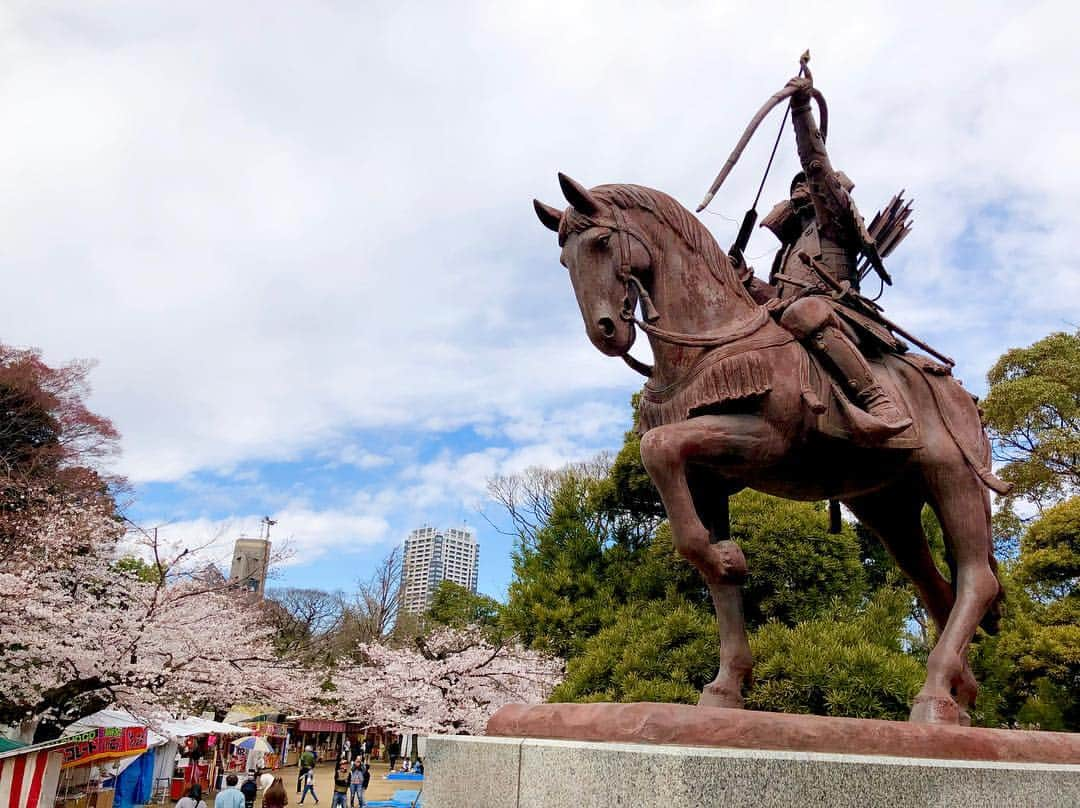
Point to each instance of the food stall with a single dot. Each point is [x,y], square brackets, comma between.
[92,762]
[277,738]
[324,737]
[202,752]
[29,775]
[184,752]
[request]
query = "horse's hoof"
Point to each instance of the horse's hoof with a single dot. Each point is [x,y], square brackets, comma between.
[936,710]
[715,695]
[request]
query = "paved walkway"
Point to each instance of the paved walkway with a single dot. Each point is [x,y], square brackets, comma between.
[378,788]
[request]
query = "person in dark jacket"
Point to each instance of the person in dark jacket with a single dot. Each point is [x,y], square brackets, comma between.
[341,786]
[249,789]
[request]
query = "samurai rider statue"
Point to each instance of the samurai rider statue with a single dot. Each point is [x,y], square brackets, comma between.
[822,237]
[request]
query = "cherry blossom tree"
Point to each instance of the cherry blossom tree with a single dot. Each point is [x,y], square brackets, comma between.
[80,631]
[452,681]
[82,627]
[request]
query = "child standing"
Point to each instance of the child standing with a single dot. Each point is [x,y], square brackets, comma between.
[309,786]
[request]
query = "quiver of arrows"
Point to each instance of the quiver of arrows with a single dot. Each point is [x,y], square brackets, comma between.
[888,228]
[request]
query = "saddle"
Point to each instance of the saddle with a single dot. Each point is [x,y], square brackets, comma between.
[836,416]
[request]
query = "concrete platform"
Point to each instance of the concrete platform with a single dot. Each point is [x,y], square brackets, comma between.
[465,772]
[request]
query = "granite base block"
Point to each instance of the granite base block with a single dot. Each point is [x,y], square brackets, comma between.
[464,772]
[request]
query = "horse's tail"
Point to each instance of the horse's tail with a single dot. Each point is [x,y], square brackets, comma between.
[991,621]
[976,451]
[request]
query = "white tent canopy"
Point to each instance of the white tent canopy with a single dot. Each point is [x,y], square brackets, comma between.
[168,732]
[184,727]
[163,729]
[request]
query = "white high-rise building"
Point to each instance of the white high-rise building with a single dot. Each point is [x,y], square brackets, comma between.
[433,555]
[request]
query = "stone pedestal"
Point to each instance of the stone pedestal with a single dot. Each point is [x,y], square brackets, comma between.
[675,756]
[464,772]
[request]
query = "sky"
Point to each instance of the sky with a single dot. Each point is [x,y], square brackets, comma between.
[298,237]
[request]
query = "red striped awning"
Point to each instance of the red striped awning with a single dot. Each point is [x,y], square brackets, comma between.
[28,779]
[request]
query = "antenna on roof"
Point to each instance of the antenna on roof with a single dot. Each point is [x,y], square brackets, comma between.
[268,523]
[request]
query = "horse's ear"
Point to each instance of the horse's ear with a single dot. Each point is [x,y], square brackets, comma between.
[578,196]
[549,216]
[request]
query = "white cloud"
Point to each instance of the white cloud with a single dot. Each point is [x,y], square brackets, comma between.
[308,534]
[277,229]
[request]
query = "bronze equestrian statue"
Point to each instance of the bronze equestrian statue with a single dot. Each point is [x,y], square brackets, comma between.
[799,388]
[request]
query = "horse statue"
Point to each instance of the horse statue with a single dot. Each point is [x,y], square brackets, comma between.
[734,401]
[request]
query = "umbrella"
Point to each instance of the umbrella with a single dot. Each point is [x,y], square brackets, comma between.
[253,742]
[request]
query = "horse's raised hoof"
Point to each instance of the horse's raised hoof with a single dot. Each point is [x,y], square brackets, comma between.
[936,710]
[717,695]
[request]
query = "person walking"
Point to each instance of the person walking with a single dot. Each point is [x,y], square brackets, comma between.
[309,786]
[249,788]
[341,786]
[307,763]
[393,751]
[275,796]
[193,798]
[356,784]
[230,796]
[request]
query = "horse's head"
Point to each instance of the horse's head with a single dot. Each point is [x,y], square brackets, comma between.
[604,254]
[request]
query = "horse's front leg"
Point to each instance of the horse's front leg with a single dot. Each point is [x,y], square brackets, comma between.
[735,441]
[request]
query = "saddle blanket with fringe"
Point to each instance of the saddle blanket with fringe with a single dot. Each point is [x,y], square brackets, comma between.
[729,372]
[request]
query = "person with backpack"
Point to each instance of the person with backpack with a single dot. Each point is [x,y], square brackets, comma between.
[193,798]
[249,789]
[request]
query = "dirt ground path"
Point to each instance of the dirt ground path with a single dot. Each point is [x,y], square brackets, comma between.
[378,788]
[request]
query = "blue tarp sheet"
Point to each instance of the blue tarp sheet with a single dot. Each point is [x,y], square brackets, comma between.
[403,798]
[135,784]
[404,776]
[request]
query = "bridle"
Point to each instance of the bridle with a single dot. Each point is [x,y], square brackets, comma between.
[636,291]
[632,284]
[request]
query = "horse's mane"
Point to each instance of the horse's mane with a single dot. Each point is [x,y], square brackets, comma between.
[667,210]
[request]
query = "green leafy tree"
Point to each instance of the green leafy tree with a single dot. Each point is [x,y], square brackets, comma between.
[844,662]
[559,596]
[137,567]
[456,606]
[1033,412]
[663,650]
[797,568]
[1031,670]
